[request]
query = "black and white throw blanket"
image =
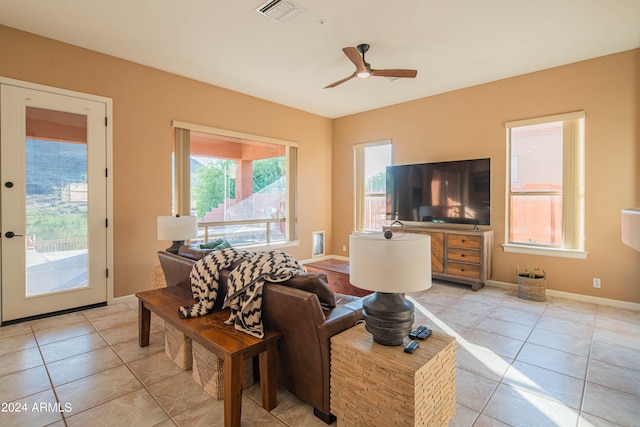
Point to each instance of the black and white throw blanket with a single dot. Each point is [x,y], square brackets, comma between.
[244,295]
[205,280]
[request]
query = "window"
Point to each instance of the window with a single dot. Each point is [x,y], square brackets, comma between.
[240,186]
[546,182]
[371,161]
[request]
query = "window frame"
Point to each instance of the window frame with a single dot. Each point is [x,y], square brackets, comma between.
[360,181]
[182,178]
[573,191]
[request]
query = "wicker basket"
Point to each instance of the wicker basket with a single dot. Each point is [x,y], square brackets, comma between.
[532,288]
[177,347]
[208,371]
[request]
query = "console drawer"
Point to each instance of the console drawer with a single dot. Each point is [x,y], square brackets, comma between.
[464,241]
[467,270]
[464,255]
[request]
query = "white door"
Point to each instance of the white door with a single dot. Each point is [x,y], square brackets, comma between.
[53,202]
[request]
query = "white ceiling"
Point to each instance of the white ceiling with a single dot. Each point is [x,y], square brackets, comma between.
[452,43]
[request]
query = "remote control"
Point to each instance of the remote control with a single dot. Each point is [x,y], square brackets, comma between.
[411,347]
[424,334]
[414,334]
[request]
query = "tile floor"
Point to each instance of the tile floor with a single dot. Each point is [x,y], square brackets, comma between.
[557,363]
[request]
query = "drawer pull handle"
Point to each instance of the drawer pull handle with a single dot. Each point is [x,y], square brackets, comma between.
[462,269]
[462,240]
[462,255]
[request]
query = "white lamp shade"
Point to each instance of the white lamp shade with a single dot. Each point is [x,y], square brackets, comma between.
[177,227]
[631,228]
[396,265]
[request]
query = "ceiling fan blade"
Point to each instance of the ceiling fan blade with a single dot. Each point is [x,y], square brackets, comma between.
[395,73]
[341,81]
[355,57]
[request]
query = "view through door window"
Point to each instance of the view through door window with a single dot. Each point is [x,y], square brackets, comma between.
[56,201]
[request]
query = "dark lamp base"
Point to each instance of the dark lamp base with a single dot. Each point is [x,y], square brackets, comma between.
[389,317]
[177,244]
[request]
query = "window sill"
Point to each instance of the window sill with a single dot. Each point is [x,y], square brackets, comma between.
[553,252]
[274,245]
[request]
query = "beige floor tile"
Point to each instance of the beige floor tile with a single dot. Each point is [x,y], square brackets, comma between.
[24,383]
[484,421]
[99,388]
[611,405]
[615,354]
[464,417]
[131,350]
[565,326]
[614,376]
[473,391]
[55,321]
[300,414]
[545,383]
[115,321]
[17,343]
[17,329]
[83,365]
[573,305]
[178,393]
[63,332]
[477,307]
[515,315]
[106,311]
[566,343]
[154,368]
[501,345]
[285,398]
[40,409]
[554,360]
[19,361]
[506,328]
[521,408]
[71,347]
[583,318]
[137,409]
[588,420]
[616,325]
[122,333]
[609,312]
[520,304]
[460,317]
[482,361]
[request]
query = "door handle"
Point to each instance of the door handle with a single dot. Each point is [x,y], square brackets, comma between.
[11,234]
[8,184]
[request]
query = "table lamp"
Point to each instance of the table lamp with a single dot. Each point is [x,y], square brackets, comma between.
[631,227]
[177,228]
[389,264]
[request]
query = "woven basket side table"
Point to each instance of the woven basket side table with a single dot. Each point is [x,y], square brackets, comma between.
[371,383]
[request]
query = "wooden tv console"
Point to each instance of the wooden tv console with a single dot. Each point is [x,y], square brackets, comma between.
[457,255]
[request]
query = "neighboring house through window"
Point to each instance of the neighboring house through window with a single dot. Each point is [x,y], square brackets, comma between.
[371,160]
[241,187]
[546,185]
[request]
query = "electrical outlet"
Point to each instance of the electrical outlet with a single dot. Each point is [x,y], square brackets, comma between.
[344,248]
[596,282]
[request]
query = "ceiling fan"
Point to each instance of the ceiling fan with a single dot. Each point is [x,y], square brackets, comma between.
[364,70]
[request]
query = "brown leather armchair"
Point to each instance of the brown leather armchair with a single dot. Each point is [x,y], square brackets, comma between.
[307,327]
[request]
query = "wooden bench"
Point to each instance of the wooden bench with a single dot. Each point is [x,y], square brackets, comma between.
[232,346]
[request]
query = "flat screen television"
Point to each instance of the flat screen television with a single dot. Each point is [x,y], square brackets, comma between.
[456,192]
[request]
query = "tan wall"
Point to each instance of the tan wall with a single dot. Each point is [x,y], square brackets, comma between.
[145,101]
[469,123]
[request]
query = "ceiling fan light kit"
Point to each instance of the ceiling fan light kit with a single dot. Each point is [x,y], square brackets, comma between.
[364,70]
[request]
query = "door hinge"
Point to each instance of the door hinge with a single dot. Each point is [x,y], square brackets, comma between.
[106,172]
[107,273]
[106,121]
[106,222]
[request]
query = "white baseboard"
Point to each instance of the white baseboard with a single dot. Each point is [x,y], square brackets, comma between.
[570,295]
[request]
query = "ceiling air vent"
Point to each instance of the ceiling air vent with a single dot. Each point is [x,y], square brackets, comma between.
[279,10]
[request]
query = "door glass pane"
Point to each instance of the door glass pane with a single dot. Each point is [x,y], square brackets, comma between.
[56,201]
